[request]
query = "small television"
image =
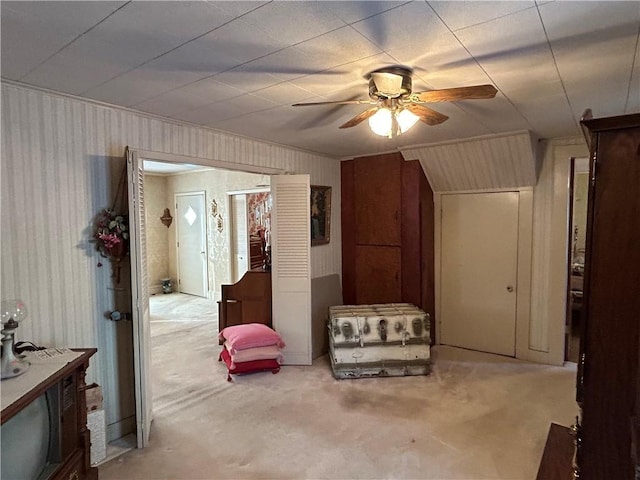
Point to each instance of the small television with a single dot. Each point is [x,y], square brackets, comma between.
[31,447]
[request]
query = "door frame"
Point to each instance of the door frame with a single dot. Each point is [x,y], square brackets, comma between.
[203,238]
[138,347]
[523,292]
[139,298]
[232,226]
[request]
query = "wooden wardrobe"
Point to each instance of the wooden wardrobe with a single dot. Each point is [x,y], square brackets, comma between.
[608,370]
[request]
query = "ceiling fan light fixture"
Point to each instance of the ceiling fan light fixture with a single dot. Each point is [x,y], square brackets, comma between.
[381,122]
[388,123]
[406,120]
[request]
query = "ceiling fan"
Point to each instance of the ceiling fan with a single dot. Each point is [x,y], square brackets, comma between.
[397,108]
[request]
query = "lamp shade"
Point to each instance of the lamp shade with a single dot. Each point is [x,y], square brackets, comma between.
[380,122]
[12,310]
[406,120]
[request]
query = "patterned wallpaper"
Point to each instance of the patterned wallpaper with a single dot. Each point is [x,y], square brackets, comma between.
[259,207]
[64,154]
[155,195]
[215,183]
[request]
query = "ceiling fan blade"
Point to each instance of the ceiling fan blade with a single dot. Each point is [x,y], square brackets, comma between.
[451,94]
[388,84]
[339,102]
[360,118]
[428,116]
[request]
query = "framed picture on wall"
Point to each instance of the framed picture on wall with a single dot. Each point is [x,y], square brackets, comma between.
[320,214]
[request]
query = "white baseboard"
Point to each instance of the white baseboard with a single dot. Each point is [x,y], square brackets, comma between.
[120,429]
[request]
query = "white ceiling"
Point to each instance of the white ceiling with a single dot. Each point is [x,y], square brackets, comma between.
[164,168]
[238,66]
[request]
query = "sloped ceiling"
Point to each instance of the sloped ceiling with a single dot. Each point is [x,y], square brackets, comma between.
[238,66]
[485,163]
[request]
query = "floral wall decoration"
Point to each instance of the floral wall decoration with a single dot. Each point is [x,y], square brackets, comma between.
[111,229]
[111,235]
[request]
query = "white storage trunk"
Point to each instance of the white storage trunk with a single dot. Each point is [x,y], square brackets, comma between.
[379,340]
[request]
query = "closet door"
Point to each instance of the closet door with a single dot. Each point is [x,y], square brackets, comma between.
[478,271]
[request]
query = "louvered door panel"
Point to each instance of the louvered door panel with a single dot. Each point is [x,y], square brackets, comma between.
[291,275]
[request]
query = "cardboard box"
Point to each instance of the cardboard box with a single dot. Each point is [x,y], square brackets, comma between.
[93,395]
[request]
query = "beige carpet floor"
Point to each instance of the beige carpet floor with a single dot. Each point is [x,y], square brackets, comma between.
[477,416]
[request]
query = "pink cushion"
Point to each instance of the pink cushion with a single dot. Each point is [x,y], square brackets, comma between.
[249,335]
[247,367]
[270,352]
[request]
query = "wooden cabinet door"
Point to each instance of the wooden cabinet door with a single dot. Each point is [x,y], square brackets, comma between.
[377,199]
[378,274]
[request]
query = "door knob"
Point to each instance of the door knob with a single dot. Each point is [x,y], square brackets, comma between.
[509,288]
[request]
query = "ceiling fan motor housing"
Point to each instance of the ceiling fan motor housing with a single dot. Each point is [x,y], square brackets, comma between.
[377,92]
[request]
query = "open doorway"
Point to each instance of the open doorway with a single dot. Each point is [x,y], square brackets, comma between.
[291,286]
[576,255]
[180,312]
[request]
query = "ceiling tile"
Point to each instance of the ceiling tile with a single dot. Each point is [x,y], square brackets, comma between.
[284,93]
[286,64]
[239,106]
[579,33]
[203,115]
[85,64]
[458,15]
[310,19]
[204,56]
[211,90]
[169,103]
[153,28]
[244,40]
[419,23]
[353,11]
[246,80]
[341,46]
[33,31]
[139,85]
[235,8]
[350,77]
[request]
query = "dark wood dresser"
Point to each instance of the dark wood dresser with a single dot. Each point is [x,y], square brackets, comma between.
[62,380]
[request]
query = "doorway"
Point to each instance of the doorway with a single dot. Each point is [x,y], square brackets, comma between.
[576,245]
[174,317]
[191,234]
[291,287]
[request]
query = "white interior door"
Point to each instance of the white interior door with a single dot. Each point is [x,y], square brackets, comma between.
[240,241]
[140,297]
[191,243]
[290,265]
[479,266]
